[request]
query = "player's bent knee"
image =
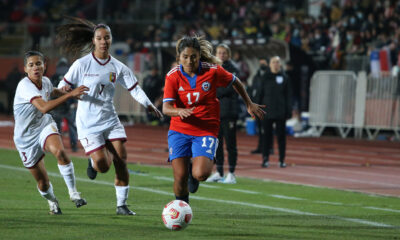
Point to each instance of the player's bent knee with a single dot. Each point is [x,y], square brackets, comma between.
[61,156]
[201,176]
[102,165]
[58,153]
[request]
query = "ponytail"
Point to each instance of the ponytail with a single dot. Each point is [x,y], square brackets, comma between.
[204,47]
[76,37]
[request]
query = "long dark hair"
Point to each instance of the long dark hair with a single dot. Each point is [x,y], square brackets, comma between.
[204,47]
[76,36]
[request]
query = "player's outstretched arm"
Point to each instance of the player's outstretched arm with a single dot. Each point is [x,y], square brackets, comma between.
[253,109]
[61,90]
[151,108]
[45,107]
[58,92]
[170,110]
[139,95]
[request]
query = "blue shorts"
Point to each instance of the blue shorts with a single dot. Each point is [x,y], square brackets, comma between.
[183,145]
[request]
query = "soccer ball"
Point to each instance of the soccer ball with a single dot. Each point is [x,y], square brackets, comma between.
[177,215]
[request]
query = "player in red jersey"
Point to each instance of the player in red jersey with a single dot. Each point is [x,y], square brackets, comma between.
[190,99]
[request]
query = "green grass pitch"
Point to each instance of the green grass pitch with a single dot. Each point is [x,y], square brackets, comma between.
[250,209]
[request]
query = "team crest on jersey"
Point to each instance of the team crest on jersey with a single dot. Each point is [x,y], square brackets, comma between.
[205,86]
[113,76]
[54,128]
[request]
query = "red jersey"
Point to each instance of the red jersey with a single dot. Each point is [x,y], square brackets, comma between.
[199,91]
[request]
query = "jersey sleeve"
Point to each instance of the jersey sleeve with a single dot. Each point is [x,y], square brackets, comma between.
[170,89]
[47,83]
[27,92]
[73,75]
[127,79]
[224,78]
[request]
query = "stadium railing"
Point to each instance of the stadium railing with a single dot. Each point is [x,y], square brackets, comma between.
[332,101]
[346,101]
[382,106]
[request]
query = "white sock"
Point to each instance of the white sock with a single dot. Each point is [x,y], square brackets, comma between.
[67,171]
[49,194]
[91,161]
[122,194]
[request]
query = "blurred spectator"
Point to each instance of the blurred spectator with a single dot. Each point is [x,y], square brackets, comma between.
[255,92]
[336,13]
[244,70]
[264,30]
[11,84]
[35,28]
[152,86]
[278,32]
[249,29]
[17,14]
[243,74]
[167,27]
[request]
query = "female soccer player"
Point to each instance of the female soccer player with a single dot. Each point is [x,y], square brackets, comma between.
[99,129]
[190,99]
[35,131]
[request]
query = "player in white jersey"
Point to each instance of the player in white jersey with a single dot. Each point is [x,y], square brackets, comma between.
[99,129]
[35,131]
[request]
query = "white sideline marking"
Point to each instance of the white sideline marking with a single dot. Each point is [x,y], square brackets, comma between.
[169,179]
[337,179]
[277,209]
[164,178]
[383,209]
[286,197]
[138,173]
[208,186]
[330,203]
[244,191]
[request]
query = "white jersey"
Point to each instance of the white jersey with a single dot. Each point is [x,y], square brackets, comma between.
[96,112]
[29,121]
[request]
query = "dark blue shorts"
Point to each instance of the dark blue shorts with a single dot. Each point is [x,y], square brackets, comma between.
[183,145]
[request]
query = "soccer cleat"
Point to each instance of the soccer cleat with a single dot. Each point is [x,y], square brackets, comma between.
[124,210]
[54,207]
[282,164]
[229,179]
[76,198]
[193,184]
[91,173]
[265,164]
[256,151]
[215,177]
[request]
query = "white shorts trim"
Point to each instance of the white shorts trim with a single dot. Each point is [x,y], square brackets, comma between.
[95,142]
[32,155]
